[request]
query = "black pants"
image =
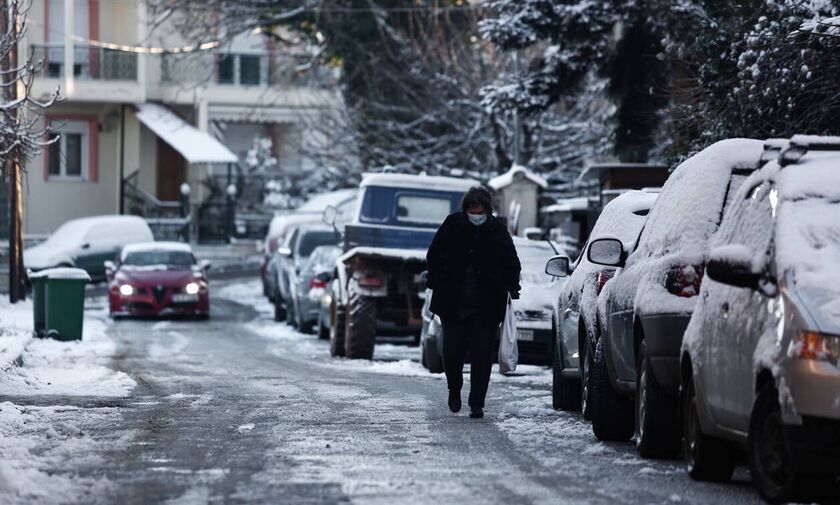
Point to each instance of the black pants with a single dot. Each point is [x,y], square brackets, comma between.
[476,335]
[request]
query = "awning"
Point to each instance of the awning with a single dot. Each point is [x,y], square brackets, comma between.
[193,144]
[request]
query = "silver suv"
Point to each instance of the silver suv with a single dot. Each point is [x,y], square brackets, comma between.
[761,355]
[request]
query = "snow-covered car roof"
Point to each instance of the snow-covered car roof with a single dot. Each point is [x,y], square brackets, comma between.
[434,182]
[319,203]
[688,209]
[155,246]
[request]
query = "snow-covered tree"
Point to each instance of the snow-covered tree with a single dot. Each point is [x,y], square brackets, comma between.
[758,69]
[20,133]
[572,48]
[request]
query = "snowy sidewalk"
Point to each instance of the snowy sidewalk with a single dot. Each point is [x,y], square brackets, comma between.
[43,430]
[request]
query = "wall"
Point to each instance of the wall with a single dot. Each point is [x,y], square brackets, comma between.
[49,203]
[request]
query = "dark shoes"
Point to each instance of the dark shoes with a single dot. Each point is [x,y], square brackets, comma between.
[476,413]
[455,401]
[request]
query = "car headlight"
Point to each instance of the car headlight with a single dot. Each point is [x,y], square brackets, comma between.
[817,346]
[191,288]
[126,290]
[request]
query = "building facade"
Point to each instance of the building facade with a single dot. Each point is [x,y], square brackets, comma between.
[109,65]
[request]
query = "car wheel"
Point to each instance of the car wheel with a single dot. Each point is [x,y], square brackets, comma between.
[360,335]
[291,318]
[279,310]
[657,415]
[586,379]
[706,458]
[337,316]
[323,330]
[770,465]
[612,414]
[432,358]
[565,392]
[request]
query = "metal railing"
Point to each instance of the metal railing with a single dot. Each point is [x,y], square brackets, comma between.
[89,62]
[243,69]
[168,220]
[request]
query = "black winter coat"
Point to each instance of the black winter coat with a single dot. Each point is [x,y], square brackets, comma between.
[495,262]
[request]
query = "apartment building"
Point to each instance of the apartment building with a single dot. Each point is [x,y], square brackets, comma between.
[143,112]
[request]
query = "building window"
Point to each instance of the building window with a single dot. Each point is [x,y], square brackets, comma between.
[68,156]
[249,70]
[225,68]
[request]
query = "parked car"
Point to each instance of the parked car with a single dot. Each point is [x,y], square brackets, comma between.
[533,310]
[310,212]
[575,321]
[647,306]
[87,243]
[289,261]
[311,285]
[158,278]
[761,357]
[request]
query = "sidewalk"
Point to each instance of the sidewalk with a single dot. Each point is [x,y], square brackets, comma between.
[15,332]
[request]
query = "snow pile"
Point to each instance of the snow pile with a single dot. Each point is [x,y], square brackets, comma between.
[78,368]
[15,331]
[42,447]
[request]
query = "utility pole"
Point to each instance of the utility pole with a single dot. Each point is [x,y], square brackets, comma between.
[517,120]
[8,24]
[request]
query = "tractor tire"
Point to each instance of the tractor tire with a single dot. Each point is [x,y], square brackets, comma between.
[337,317]
[360,335]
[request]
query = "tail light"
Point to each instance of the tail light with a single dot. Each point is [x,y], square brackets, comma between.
[603,277]
[817,346]
[316,283]
[684,280]
[370,281]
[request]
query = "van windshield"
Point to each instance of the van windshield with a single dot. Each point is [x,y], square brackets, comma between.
[407,206]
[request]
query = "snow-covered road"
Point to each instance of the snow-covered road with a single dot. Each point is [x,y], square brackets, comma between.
[242,409]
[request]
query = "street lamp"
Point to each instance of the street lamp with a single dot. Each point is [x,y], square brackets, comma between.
[185,210]
[231,196]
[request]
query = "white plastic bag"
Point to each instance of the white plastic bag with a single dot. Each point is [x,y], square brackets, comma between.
[508,350]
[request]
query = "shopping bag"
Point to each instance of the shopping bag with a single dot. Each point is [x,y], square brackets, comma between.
[508,351]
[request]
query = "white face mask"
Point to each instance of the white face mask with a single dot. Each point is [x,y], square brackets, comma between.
[477,219]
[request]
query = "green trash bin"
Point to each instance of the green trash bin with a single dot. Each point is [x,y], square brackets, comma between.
[37,279]
[64,302]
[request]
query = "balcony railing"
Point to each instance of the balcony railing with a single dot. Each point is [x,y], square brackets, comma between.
[242,69]
[89,62]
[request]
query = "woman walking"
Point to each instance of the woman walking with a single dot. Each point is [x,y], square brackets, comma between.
[473,267]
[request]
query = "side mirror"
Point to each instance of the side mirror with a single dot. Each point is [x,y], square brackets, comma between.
[558,266]
[109,267]
[330,215]
[733,265]
[423,280]
[284,251]
[204,265]
[86,245]
[606,251]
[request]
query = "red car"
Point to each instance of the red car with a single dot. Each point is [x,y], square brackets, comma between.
[156,279]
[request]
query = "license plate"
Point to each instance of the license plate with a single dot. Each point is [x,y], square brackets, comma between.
[184,298]
[525,335]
